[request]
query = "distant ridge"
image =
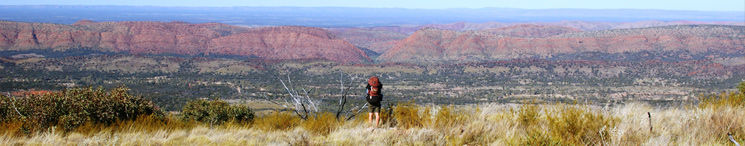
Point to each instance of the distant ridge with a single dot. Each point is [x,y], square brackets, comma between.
[273,43]
[581,25]
[380,39]
[431,45]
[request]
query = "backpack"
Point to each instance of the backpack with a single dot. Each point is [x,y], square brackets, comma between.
[374,83]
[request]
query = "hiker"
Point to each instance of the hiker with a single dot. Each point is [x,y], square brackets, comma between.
[374,96]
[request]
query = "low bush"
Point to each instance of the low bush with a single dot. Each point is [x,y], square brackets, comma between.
[277,121]
[323,124]
[579,125]
[216,112]
[716,101]
[529,120]
[527,115]
[407,115]
[74,107]
[448,117]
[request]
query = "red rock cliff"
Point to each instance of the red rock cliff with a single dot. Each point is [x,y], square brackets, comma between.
[435,45]
[288,42]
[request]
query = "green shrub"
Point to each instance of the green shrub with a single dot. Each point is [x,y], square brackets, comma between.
[216,112]
[73,107]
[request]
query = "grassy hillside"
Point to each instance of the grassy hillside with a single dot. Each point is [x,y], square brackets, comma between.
[635,123]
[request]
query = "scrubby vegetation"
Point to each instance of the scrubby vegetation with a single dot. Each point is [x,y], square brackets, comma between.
[404,123]
[74,107]
[171,81]
[216,112]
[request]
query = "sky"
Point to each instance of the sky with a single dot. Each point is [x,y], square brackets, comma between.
[698,5]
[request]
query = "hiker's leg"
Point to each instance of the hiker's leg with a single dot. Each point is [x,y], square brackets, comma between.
[377,119]
[370,118]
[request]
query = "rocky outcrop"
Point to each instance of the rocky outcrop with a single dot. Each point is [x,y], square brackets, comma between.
[437,46]
[275,43]
[288,42]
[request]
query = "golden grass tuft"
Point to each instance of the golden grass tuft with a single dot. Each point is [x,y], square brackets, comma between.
[527,115]
[717,101]
[448,117]
[11,128]
[580,125]
[277,121]
[407,115]
[323,124]
[562,124]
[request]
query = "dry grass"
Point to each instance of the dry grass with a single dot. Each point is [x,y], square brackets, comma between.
[409,115]
[277,121]
[485,124]
[323,124]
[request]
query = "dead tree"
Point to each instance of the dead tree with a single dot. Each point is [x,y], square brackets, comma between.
[300,101]
[305,106]
[343,99]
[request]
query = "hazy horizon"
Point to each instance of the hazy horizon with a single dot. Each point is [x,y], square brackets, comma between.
[344,16]
[1,5]
[686,5]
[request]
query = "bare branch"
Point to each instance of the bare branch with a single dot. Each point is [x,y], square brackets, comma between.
[290,81]
[732,139]
[312,105]
[341,81]
[14,107]
[283,84]
[304,110]
[358,112]
[267,99]
[298,114]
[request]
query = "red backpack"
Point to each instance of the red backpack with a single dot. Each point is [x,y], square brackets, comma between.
[374,83]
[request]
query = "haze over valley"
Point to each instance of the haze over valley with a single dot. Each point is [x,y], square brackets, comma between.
[468,73]
[499,55]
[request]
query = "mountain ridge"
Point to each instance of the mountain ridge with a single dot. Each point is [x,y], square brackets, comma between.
[274,43]
[430,45]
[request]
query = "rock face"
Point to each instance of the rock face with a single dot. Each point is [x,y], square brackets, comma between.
[437,46]
[382,38]
[275,43]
